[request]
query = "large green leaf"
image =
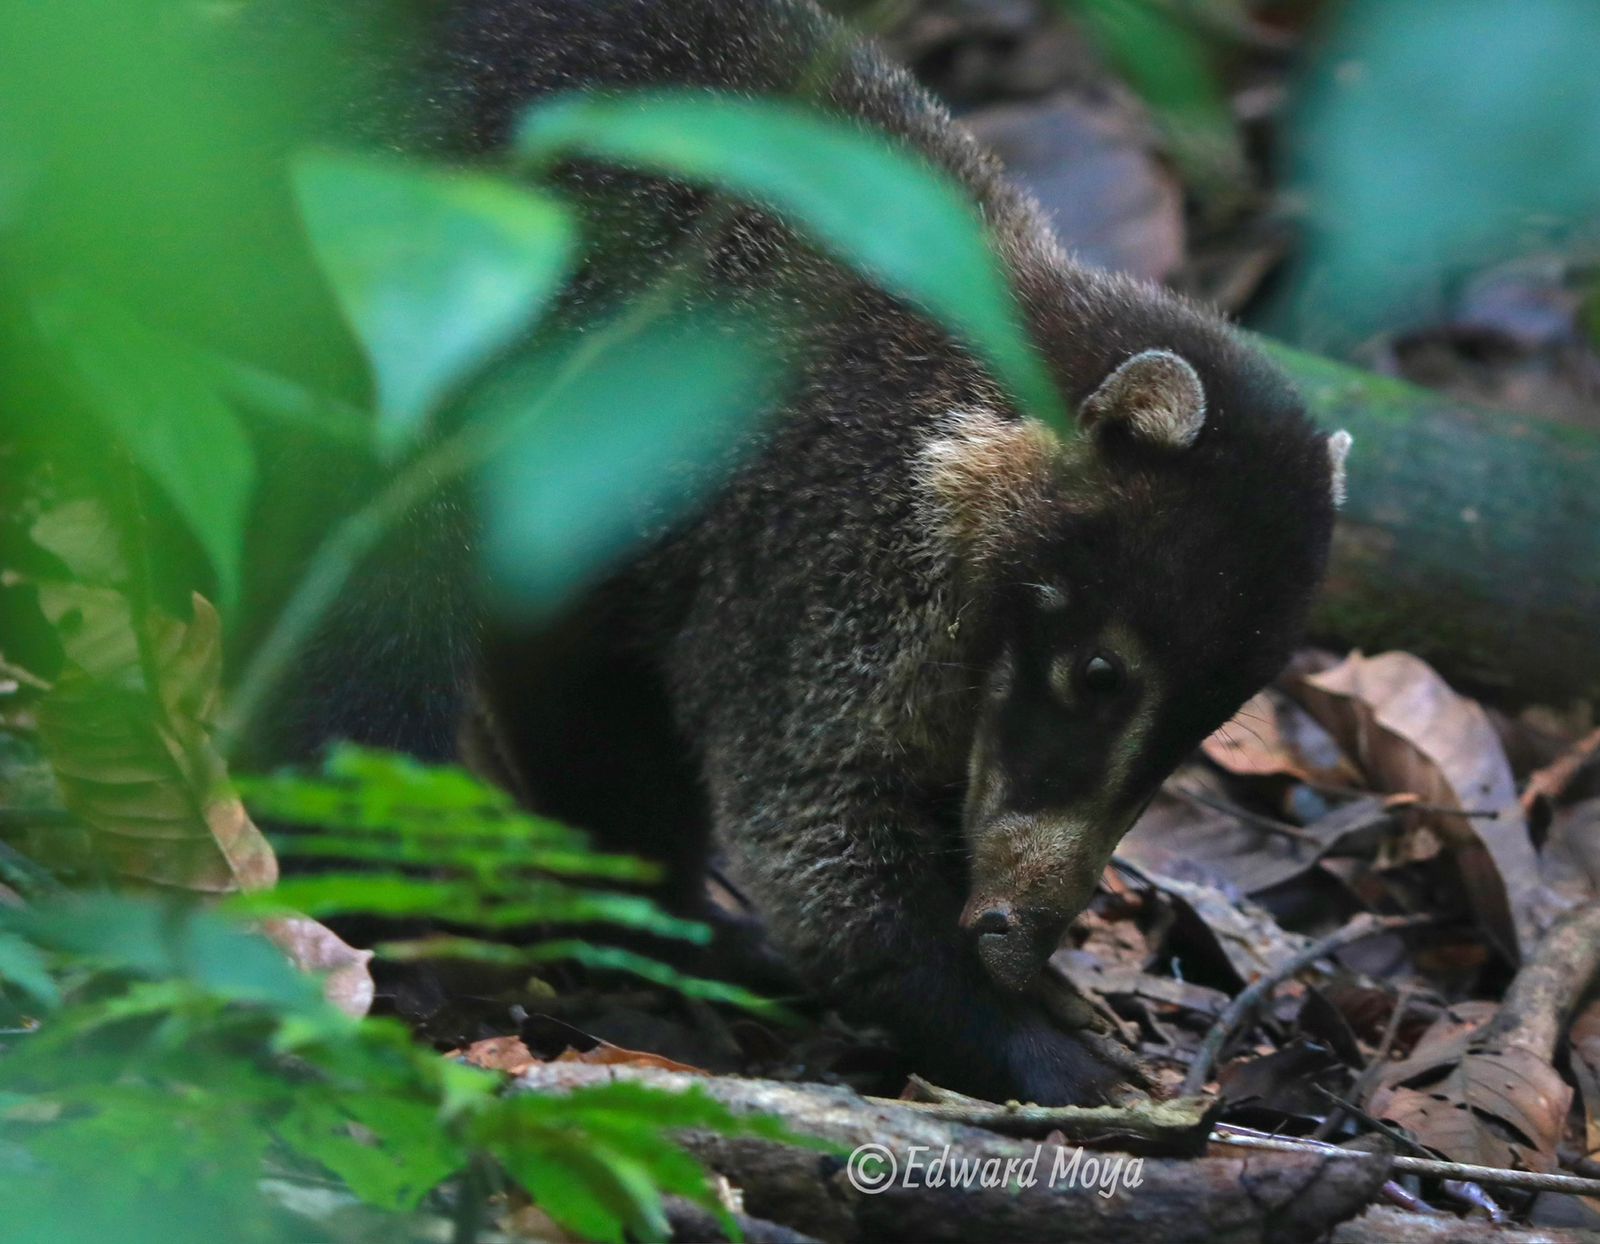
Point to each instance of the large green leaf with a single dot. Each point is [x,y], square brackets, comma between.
[630,435]
[886,211]
[435,270]
[159,399]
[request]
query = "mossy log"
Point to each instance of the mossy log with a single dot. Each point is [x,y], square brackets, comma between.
[1471,536]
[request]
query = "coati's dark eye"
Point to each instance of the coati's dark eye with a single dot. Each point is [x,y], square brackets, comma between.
[1101,674]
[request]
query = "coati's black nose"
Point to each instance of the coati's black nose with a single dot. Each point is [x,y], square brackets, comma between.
[997,919]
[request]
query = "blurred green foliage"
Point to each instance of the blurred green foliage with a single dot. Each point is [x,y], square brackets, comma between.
[883,210]
[180,1060]
[205,259]
[434,270]
[1432,138]
[1166,57]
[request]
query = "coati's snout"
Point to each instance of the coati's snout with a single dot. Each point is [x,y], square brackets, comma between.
[1031,876]
[1055,774]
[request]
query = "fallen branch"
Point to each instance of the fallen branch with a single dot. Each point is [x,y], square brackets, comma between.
[1393,1227]
[1180,1125]
[1545,992]
[1471,536]
[1254,1197]
[1253,994]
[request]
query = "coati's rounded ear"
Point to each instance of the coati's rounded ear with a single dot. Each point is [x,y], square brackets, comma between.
[1338,450]
[1156,395]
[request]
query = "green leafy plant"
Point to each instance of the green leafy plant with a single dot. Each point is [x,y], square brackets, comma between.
[479,862]
[198,253]
[180,1061]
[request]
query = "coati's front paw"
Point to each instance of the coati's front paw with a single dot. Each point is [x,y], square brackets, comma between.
[1052,1066]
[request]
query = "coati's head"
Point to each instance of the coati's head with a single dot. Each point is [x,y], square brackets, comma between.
[1137,584]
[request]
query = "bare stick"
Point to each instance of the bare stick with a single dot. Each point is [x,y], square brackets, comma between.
[1532,1181]
[1253,994]
[1549,986]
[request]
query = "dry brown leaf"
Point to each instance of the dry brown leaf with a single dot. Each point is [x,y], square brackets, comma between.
[1501,1108]
[1496,1107]
[136,762]
[512,1056]
[1179,835]
[318,950]
[1412,734]
[604,1054]
[507,1054]
[1244,934]
[1263,739]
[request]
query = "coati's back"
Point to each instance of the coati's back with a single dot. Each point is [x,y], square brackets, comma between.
[919,662]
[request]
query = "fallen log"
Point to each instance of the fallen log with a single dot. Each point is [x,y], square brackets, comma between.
[1248,1197]
[1471,536]
[1394,1227]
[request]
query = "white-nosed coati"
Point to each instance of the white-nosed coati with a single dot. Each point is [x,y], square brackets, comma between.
[919,663]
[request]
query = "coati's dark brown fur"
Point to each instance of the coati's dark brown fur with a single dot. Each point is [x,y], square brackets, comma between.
[918,664]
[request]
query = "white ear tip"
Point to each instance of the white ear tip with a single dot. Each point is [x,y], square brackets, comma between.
[1338,450]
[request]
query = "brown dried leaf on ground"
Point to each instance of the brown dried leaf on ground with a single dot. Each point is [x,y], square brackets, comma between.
[135,759]
[316,949]
[604,1054]
[1179,836]
[1501,1108]
[1490,1094]
[1413,735]
[512,1056]
[128,725]
[1272,736]
[507,1054]
[1242,934]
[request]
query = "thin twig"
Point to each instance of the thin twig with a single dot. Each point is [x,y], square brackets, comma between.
[1372,1121]
[1173,1121]
[1253,819]
[1374,1068]
[1253,994]
[1533,1181]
